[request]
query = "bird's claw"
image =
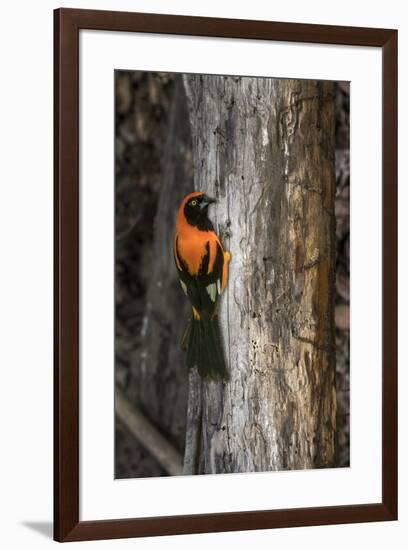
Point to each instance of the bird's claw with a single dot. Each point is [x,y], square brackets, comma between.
[224,231]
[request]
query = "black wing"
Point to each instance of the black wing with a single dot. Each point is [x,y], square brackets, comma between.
[204,288]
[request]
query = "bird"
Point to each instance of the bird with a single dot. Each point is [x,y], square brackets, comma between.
[202,267]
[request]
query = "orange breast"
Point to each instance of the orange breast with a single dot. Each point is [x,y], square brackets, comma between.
[192,248]
[192,242]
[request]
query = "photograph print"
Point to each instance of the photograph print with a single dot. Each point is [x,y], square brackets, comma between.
[232,304]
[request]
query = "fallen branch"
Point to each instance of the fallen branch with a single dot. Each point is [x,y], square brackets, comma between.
[148,435]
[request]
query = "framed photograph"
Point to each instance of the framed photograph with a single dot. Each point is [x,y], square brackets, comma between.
[225,275]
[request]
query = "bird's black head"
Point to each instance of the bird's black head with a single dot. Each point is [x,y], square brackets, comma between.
[195,211]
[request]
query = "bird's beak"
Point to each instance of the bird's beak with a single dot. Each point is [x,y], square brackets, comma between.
[206,200]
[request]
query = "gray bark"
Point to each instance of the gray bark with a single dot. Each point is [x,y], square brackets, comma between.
[265,149]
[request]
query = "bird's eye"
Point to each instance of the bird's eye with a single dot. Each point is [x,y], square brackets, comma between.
[193,203]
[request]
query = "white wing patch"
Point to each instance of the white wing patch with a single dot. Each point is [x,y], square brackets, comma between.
[212,291]
[219,286]
[183,286]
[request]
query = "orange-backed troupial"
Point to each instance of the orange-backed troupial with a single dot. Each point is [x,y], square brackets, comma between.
[202,266]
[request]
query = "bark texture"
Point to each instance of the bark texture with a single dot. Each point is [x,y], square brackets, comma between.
[265,149]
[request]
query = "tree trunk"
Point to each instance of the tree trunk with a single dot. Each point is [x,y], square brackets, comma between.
[265,149]
[158,375]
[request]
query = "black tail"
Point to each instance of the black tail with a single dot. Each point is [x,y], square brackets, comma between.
[205,349]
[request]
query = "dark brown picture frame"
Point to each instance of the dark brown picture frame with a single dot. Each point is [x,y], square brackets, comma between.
[67,24]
